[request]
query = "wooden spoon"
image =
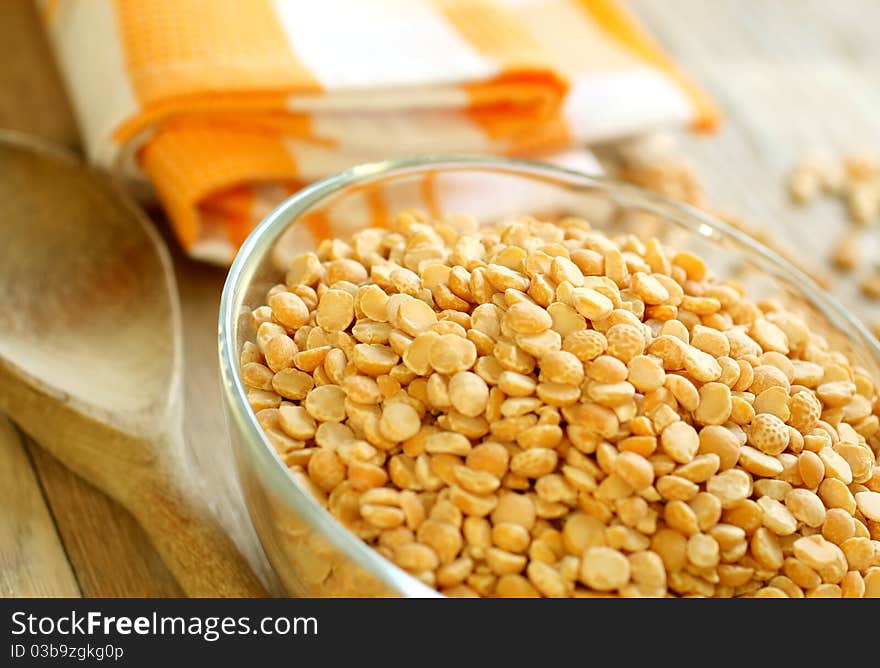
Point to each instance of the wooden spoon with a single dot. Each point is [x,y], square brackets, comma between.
[90,355]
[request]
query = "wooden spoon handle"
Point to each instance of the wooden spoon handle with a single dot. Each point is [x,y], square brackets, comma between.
[151,477]
[198,552]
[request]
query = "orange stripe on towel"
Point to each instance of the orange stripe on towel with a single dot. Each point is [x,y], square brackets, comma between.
[528,89]
[379,216]
[235,207]
[177,47]
[188,166]
[319,225]
[429,194]
[613,17]
[514,99]
[260,110]
[495,33]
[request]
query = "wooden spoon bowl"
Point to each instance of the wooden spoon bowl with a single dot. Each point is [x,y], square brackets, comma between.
[90,355]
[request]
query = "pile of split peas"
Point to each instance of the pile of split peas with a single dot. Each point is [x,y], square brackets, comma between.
[537,409]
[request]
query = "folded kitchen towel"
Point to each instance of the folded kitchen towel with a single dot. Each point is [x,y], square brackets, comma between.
[228,106]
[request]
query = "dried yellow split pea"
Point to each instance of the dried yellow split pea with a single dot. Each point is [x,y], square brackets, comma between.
[539,409]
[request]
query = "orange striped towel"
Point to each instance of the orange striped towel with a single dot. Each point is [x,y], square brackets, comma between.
[228,106]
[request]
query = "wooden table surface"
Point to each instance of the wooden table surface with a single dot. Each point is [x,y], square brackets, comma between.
[791,75]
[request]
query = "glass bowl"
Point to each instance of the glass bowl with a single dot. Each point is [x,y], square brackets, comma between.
[311,552]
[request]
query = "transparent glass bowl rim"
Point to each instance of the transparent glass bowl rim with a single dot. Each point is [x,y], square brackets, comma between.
[260,241]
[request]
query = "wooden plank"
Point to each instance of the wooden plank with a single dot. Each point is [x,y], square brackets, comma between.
[32,559]
[200,286]
[32,98]
[110,553]
[791,76]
